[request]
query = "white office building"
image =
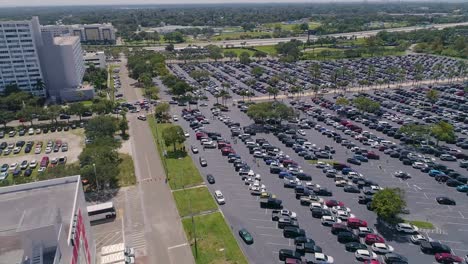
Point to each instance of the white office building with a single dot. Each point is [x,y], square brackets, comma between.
[19,56]
[46,222]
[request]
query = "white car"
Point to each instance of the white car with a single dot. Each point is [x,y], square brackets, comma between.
[417,239]
[13,166]
[141,117]
[48,150]
[37,150]
[41,169]
[31,131]
[322,258]
[301,132]
[337,208]
[381,248]
[257,184]
[341,183]
[290,214]
[328,220]
[364,254]
[219,197]
[24,165]
[364,231]
[317,205]
[186,134]
[33,164]
[406,228]
[419,165]
[343,215]
[175,118]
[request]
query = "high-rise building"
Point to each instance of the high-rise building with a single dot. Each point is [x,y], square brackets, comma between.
[46,222]
[88,33]
[40,63]
[19,56]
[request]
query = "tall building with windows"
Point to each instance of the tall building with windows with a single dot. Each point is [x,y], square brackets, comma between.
[19,56]
[40,63]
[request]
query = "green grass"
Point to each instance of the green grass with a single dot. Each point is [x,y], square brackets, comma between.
[87,103]
[239,35]
[270,49]
[421,224]
[215,241]
[181,171]
[238,51]
[126,175]
[194,201]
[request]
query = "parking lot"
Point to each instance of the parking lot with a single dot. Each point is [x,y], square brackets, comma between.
[242,210]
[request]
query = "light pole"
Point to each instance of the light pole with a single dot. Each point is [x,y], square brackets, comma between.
[95,176]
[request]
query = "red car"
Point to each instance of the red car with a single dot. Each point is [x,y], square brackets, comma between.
[448,258]
[373,238]
[331,203]
[373,261]
[373,155]
[227,150]
[356,223]
[199,135]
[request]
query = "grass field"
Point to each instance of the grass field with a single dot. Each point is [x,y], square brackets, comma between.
[270,49]
[238,35]
[238,51]
[181,171]
[126,175]
[194,201]
[215,241]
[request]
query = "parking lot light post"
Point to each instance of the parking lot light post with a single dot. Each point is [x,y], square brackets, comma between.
[95,175]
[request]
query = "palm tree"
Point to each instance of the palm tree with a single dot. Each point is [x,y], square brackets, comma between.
[370,73]
[217,96]
[272,91]
[40,85]
[224,96]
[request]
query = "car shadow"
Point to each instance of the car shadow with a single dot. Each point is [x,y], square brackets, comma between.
[389,232]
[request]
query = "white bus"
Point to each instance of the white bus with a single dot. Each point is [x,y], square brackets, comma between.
[103,211]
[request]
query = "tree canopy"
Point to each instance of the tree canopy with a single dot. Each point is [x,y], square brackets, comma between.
[388,203]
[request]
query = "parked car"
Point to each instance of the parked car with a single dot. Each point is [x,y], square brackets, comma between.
[246,236]
[219,197]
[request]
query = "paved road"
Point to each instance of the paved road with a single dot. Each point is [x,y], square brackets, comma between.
[274,41]
[165,237]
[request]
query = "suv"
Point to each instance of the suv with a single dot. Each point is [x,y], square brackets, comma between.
[219,197]
[337,228]
[406,228]
[434,247]
[293,232]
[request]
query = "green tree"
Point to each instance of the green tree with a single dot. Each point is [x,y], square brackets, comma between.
[342,101]
[161,111]
[432,95]
[366,105]
[244,58]
[102,106]
[101,127]
[388,203]
[53,112]
[6,117]
[230,54]
[173,135]
[273,91]
[443,131]
[257,71]
[78,109]
[214,52]
[260,54]
[415,131]
[123,126]
[152,92]
[11,88]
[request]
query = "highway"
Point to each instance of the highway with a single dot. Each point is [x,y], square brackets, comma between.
[274,41]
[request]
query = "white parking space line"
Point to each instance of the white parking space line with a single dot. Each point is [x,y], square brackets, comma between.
[266,227]
[450,241]
[458,249]
[461,214]
[425,203]
[278,244]
[261,220]
[270,235]
[452,223]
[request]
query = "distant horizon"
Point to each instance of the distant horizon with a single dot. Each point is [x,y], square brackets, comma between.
[82,3]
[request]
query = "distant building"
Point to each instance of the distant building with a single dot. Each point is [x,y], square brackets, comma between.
[98,59]
[19,56]
[91,34]
[45,222]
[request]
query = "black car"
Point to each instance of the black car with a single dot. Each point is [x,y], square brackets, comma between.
[319,212]
[308,248]
[210,178]
[445,200]
[354,161]
[28,172]
[303,239]
[351,189]
[393,258]
[346,237]
[323,192]
[292,232]
[453,183]
[288,253]
[434,247]
[203,162]
[353,246]
[364,199]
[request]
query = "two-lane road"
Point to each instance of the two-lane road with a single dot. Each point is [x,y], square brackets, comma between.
[165,238]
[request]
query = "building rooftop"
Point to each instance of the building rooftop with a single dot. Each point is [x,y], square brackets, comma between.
[32,206]
[67,40]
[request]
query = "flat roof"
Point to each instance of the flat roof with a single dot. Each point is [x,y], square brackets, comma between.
[67,40]
[34,205]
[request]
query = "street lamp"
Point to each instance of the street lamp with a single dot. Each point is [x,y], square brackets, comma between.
[95,175]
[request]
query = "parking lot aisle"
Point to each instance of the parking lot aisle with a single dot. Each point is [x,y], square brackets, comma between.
[133,222]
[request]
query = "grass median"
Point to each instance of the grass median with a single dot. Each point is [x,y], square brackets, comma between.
[215,241]
[180,169]
[194,201]
[421,224]
[126,175]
